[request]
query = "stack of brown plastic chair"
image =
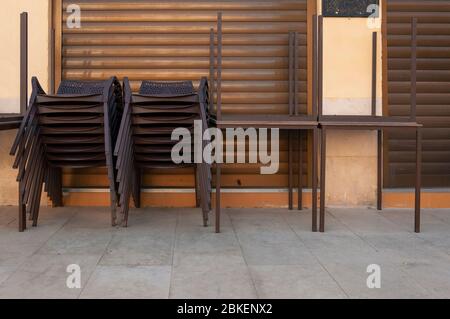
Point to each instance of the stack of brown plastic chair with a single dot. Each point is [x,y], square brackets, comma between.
[145,134]
[75,128]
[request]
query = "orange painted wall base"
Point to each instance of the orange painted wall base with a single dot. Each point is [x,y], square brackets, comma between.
[235,199]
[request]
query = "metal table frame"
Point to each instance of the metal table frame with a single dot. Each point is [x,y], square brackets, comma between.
[291,122]
[372,122]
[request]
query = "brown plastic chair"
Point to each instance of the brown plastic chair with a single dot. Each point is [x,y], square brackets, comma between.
[75,128]
[145,137]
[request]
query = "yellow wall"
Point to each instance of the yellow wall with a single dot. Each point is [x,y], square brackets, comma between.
[9,80]
[351,155]
[9,55]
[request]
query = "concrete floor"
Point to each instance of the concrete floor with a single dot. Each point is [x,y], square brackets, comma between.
[165,253]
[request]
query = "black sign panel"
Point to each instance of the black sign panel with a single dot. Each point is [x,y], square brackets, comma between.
[350,8]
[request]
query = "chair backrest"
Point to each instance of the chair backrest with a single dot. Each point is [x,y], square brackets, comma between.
[154,113]
[79,124]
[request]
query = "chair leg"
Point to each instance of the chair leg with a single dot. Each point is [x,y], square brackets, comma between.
[203,191]
[300,171]
[113,195]
[418,179]
[37,199]
[22,211]
[314,155]
[323,155]
[137,188]
[197,187]
[59,194]
[380,170]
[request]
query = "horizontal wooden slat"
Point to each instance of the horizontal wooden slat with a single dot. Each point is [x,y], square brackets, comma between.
[422,87]
[179,75]
[422,40]
[428,134]
[175,39]
[188,16]
[422,29]
[422,110]
[422,98]
[417,6]
[422,75]
[191,5]
[428,52]
[429,157]
[189,28]
[177,51]
[175,63]
[423,17]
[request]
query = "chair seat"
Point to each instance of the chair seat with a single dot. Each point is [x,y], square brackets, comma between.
[167,89]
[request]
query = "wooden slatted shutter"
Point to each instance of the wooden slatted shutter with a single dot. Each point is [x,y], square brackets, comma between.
[169,40]
[433,90]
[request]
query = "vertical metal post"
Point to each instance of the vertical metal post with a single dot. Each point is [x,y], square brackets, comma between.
[290,170]
[315,68]
[218,204]
[323,163]
[418,179]
[290,72]
[52,62]
[219,114]
[212,62]
[314,177]
[300,171]
[320,66]
[219,66]
[374,73]
[23,104]
[380,169]
[414,69]
[295,53]
[23,61]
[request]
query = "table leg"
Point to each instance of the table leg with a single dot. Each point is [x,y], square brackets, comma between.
[218,173]
[314,177]
[418,179]
[300,171]
[290,169]
[380,170]
[323,163]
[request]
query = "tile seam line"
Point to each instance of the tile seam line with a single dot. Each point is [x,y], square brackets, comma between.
[378,251]
[243,256]
[425,240]
[97,264]
[316,258]
[174,246]
[40,247]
